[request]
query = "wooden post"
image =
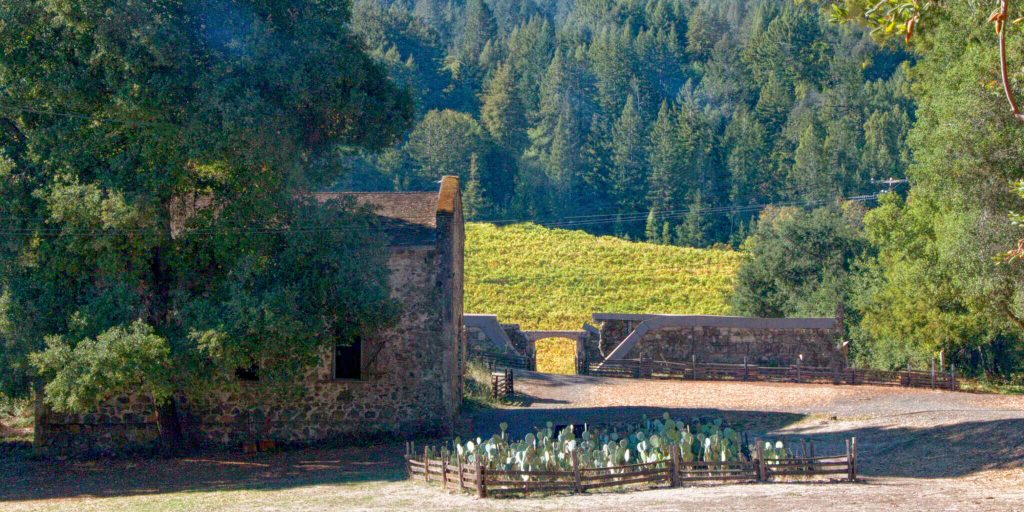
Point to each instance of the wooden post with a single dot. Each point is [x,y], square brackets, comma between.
[494,386]
[853,461]
[746,371]
[462,481]
[481,488]
[426,465]
[952,377]
[693,359]
[849,462]
[933,372]
[444,474]
[759,460]
[577,485]
[674,455]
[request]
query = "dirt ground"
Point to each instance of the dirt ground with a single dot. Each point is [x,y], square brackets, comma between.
[918,450]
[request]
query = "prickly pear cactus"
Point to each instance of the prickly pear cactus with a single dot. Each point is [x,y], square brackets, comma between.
[649,441]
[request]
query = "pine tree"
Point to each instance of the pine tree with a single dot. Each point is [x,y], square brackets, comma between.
[610,57]
[480,27]
[501,112]
[628,172]
[810,174]
[747,160]
[474,199]
[664,161]
[774,103]
[651,232]
[691,232]
[530,50]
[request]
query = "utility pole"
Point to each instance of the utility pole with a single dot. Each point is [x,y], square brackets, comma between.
[890,183]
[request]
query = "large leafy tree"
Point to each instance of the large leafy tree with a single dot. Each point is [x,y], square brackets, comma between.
[155,161]
[801,263]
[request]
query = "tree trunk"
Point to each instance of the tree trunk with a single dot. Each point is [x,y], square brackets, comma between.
[172,438]
[39,416]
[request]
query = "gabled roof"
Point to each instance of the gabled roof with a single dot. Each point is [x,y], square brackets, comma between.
[408,218]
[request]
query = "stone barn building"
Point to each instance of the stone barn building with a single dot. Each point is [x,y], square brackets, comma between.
[404,381]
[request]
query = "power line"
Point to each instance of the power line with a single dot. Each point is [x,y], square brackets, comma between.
[81,115]
[313,228]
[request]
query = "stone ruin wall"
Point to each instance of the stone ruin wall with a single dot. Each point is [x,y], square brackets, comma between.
[769,346]
[405,393]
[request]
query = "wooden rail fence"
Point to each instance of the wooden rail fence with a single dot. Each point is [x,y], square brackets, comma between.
[503,385]
[693,370]
[476,478]
[501,361]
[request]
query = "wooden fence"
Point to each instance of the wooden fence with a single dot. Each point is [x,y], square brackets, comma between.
[693,370]
[675,472]
[503,385]
[500,361]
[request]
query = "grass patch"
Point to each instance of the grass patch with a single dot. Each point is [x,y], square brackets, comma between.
[1013,386]
[555,278]
[476,387]
[556,355]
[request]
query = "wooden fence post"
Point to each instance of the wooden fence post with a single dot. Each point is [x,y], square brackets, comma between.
[952,377]
[577,484]
[481,487]
[853,462]
[462,481]
[746,371]
[426,465]
[849,462]
[444,473]
[933,372]
[759,459]
[674,456]
[693,360]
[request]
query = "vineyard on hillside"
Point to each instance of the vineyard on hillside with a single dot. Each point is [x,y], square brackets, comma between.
[555,279]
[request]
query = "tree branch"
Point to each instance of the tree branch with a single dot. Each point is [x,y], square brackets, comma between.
[1000,21]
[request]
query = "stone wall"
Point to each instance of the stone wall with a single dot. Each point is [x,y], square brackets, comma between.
[729,340]
[411,387]
[522,344]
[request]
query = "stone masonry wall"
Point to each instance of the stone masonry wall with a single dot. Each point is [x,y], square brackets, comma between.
[770,346]
[409,388]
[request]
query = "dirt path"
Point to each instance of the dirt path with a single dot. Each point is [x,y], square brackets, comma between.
[920,450]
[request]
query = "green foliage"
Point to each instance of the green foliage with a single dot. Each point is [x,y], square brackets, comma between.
[120,360]
[940,283]
[801,263]
[648,441]
[156,155]
[620,107]
[555,279]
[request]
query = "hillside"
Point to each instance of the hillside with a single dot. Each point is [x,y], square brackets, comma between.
[555,279]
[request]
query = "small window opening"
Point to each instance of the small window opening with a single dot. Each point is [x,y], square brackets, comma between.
[252,373]
[348,360]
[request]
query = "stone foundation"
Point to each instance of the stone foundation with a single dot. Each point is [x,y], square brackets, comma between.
[727,340]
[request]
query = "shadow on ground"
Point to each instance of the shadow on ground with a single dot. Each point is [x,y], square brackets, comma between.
[944,451]
[928,452]
[24,478]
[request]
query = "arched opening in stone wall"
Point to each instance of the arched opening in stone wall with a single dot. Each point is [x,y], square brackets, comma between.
[556,355]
